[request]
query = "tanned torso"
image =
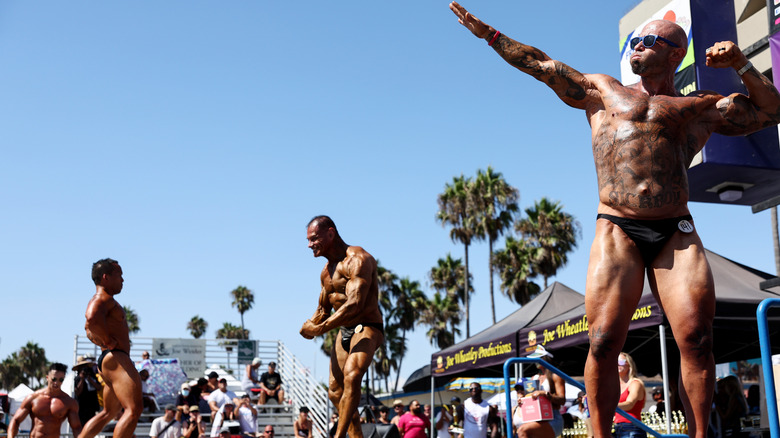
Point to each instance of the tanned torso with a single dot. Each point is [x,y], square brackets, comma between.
[643,145]
[47,413]
[334,278]
[111,333]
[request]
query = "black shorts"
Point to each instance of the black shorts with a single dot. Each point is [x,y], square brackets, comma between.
[650,236]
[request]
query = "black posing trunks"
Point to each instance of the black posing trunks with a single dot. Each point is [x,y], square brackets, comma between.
[650,236]
[348,332]
[103,356]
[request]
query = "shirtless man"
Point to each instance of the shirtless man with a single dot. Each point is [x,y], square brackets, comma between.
[644,138]
[106,327]
[48,408]
[350,289]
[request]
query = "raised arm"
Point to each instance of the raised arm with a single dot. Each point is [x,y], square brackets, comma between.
[744,114]
[571,86]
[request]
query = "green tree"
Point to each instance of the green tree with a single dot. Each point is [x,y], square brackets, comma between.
[410,302]
[230,331]
[514,265]
[553,231]
[33,361]
[197,326]
[456,209]
[243,299]
[11,372]
[133,321]
[440,311]
[495,210]
[448,278]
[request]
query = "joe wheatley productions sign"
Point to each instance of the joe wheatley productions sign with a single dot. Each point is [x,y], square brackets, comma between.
[475,356]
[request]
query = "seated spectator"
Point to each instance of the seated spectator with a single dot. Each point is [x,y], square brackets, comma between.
[247,416]
[223,414]
[182,399]
[251,378]
[198,395]
[220,397]
[149,401]
[384,415]
[731,406]
[194,427]
[658,398]
[86,388]
[213,382]
[145,355]
[166,426]
[268,432]
[753,400]
[271,385]
[303,426]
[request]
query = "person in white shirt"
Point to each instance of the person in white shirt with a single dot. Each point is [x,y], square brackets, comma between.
[166,426]
[224,414]
[443,421]
[247,416]
[475,413]
[218,398]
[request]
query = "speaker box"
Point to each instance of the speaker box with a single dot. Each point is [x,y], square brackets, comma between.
[379,430]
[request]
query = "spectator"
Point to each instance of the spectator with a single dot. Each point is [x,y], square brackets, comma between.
[731,406]
[754,400]
[517,413]
[632,399]
[476,413]
[145,356]
[194,427]
[225,432]
[149,401]
[251,379]
[398,410]
[86,387]
[384,415]
[553,388]
[218,398]
[268,432]
[658,398]
[198,394]
[414,423]
[271,385]
[427,411]
[444,421]
[303,427]
[493,423]
[333,424]
[166,426]
[457,415]
[213,382]
[182,399]
[247,416]
[223,414]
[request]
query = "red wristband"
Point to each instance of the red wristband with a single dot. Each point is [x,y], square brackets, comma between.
[495,37]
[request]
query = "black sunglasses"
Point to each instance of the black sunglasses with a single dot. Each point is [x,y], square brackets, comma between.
[649,41]
[55,379]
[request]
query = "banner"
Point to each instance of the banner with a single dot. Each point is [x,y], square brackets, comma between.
[474,356]
[190,352]
[574,330]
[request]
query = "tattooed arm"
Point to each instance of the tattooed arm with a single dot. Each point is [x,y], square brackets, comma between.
[571,86]
[744,114]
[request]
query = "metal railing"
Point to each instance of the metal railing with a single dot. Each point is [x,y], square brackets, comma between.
[766,362]
[301,388]
[508,387]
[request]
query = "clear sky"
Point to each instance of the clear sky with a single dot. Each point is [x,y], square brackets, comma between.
[193,140]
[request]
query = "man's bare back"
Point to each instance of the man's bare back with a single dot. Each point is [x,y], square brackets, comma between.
[48,408]
[349,300]
[644,137]
[106,326]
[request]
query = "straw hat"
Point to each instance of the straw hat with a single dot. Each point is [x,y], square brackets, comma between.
[86,359]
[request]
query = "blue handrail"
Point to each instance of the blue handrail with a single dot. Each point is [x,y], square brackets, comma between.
[571,381]
[766,363]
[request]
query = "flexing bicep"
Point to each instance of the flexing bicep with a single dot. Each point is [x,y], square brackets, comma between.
[571,86]
[359,270]
[740,116]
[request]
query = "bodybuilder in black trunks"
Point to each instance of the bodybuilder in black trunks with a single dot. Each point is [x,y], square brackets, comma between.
[106,327]
[350,289]
[644,137]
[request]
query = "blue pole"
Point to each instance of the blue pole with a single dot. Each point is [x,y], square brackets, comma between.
[766,363]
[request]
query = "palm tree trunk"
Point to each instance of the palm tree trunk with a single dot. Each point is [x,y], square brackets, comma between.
[776,239]
[490,271]
[242,321]
[400,362]
[466,299]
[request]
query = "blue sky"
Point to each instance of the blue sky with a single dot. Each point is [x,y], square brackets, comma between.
[193,140]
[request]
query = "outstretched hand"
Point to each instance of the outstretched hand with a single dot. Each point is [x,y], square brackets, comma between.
[472,23]
[725,54]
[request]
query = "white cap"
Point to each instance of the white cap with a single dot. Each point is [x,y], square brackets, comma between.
[256,361]
[540,352]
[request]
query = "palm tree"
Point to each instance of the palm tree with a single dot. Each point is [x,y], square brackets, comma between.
[11,373]
[385,356]
[133,322]
[514,265]
[197,326]
[230,331]
[410,303]
[242,300]
[456,208]
[497,205]
[448,277]
[32,359]
[551,230]
[440,311]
